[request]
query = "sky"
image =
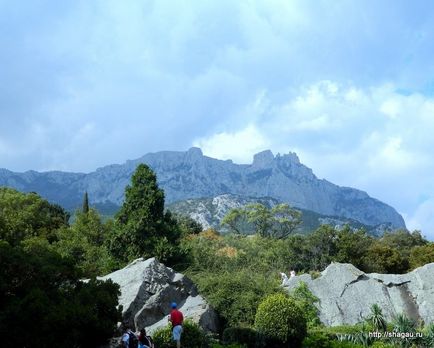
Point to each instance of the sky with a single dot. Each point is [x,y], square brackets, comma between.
[347,85]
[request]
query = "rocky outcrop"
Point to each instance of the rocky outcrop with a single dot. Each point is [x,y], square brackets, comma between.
[346,293]
[147,290]
[190,174]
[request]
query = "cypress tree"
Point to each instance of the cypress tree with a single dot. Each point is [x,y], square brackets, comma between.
[85,203]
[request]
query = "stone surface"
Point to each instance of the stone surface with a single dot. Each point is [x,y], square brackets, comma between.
[346,293]
[190,174]
[147,290]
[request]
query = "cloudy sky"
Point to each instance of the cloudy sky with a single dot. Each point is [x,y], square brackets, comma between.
[348,85]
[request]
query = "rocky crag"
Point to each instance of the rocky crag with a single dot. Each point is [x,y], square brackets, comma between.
[346,294]
[147,290]
[190,174]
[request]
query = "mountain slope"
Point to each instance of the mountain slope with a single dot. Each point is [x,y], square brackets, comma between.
[185,175]
[209,212]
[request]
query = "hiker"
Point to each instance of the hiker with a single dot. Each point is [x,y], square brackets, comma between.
[292,274]
[129,339]
[176,318]
[144,340]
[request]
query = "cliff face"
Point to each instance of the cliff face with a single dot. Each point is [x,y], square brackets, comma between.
[185,175]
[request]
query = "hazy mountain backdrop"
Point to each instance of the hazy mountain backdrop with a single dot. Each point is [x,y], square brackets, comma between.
[190,175]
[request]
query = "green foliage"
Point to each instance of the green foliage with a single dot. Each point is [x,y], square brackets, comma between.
[321,338]
[85,242]
[235,219]
[277,222]
[377,319]
[306,300]
[243,336]
[352,246]
[235,296]
[261,217]
[280,319]
[39,286]
[382,258]
[403,324]
[142,228]
[285,220]
[421,255]
[192,336]
[25,216]
[428,336]
[85,208]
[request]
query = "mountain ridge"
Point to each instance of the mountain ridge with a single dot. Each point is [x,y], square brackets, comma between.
[190,174]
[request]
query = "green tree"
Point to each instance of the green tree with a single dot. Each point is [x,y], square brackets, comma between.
[352,246]
[261,218]
[322,247]
[85,241]
[85,208]
[235,219]
[382,258]
[27,215]
[142,228]
[38,286]
[286,220]
[421,255]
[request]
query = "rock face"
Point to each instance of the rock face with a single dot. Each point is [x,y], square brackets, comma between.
[185,175]
[147,290]
[346,293]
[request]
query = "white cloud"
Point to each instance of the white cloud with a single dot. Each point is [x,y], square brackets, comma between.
[238,146]
[341,132]
[423,219]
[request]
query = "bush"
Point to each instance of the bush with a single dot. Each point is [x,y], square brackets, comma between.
[243,335]
[280,319]
[192,337]
[307,302]
[234,295]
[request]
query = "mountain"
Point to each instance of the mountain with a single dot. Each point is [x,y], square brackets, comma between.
[209,212]
[190,174]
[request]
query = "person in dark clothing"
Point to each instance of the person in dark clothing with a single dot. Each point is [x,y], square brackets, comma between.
[144,340]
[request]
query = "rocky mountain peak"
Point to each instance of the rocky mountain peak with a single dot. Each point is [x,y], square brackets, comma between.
[263,159]
[290,157]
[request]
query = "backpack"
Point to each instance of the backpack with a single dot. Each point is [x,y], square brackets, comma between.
[133,342]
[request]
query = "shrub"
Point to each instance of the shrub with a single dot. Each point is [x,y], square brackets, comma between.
[307,302]
[280,319]
[323,337]
[192,336]
[243,335]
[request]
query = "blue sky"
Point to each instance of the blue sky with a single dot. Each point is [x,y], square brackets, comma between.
[348,85]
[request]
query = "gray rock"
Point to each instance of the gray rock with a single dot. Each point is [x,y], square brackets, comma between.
[147,290]
[346,293]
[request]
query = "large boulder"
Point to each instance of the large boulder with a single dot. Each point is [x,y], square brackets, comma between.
[148,288]
[346,293]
